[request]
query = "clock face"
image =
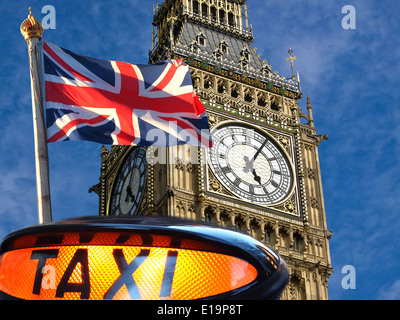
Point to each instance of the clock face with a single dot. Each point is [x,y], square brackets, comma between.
[129,184]
[250,164]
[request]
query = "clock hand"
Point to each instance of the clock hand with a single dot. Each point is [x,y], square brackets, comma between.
[249,163]
[256,177]
[129,194]
[129,189]
[259,150]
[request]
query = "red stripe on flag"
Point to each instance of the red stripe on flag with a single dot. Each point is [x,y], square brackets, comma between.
[79,96]
[64,130]
[166,80]
[198,106]
[63,64]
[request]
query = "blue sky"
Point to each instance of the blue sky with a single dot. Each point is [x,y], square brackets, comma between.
[351,76]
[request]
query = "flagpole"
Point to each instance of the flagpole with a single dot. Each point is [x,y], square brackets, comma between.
[32,30]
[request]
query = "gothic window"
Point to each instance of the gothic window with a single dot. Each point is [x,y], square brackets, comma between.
[214,14]
[318,247]
[225,219]
[234,92]
[231,19]
[296,242]
[240,224]
[284,238]
[275,106]
[208,214]
[248,97]
[195,7]
[267,236]
[201,39]
[221,16]
[204,11]
[266,69]
[223,46]
[208,83]
[221,87]
[262,102]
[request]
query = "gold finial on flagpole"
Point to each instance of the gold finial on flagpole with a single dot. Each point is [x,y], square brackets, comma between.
[31,27]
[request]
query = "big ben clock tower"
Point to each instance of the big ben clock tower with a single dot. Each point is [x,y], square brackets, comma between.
[262,175]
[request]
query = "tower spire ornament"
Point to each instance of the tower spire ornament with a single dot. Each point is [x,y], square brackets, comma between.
[291,61]
[310,115]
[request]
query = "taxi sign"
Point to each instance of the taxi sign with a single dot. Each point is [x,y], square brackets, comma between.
[148,258]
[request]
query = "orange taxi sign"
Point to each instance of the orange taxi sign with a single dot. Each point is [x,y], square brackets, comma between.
[133,258]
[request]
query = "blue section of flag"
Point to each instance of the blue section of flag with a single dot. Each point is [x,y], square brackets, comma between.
[100,68]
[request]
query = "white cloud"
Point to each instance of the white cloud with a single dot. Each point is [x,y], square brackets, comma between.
[390,292]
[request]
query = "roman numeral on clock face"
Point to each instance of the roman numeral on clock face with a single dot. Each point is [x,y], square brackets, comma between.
[225,170]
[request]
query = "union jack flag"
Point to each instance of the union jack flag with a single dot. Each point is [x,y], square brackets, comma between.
[119,103]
